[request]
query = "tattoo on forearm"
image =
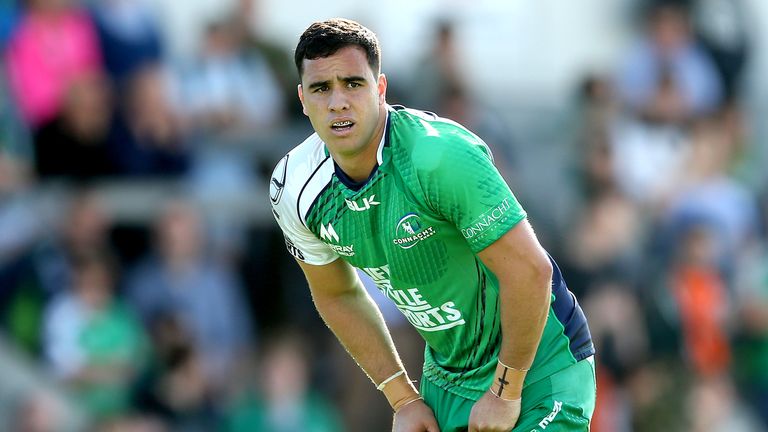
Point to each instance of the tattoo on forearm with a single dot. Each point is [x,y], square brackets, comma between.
[502,381]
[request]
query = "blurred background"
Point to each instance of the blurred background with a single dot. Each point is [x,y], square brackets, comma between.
[145,287]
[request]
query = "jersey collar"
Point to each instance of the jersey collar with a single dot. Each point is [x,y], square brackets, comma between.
[384,140]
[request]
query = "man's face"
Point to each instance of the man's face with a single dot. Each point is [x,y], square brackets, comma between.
[344,100]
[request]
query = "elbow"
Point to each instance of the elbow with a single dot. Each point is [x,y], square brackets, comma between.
[542,271]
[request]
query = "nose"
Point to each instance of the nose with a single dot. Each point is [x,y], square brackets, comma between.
[338,101]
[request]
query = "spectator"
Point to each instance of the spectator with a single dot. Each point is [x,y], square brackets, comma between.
[725,30]
[257,45]
[705,191]
[666,76]
[646,158]
[20,223]
[222,178]
[132,423]
[37,411]
[597,102]
[15,138]
[703,303]
[621,337]
[74,143]
[714,406]
[286,402]
[175,390]
[54,43]
[438,71]
[129,36]
[605,242]
[595,113]
[84,228]
[25,221]
[9,16]
[92,341]
[146,139]
[205,294]
[665,81]
[751,340]
[225,91]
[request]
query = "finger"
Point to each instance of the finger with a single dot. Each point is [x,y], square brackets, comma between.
[472,427]
[397,426]
[422,428]
[432,426]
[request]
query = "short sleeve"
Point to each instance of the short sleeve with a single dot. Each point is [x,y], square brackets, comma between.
[461,183]
[284,190]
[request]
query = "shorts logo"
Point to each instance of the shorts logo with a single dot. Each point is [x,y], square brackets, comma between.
[550,417]
[277,184]
[410,231]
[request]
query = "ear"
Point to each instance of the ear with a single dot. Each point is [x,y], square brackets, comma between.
[301,98]
[382,89]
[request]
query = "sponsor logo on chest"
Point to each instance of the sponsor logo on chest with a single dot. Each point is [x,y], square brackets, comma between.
[363,204]
[331,238]
[422,314]
[410,231]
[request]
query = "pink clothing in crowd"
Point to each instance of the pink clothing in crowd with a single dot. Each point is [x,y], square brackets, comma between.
[45,54]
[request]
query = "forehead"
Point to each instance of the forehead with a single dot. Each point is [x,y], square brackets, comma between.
[348,61]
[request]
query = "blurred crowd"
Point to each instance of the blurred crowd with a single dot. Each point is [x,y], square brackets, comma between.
[144,288]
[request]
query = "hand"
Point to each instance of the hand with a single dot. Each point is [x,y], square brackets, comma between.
[415,417]
[492,414]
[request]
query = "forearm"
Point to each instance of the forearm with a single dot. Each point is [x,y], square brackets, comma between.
[524,272]
[359,326]
[350,313]
[524,290]
[524,304]
[524,299]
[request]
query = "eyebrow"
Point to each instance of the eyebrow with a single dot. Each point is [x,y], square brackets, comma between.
[344,80]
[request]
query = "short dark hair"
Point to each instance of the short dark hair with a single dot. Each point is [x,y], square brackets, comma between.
[324,38]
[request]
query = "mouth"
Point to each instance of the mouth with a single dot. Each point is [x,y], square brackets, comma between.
[342,127]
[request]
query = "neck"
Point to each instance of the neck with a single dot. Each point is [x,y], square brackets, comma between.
[359,166]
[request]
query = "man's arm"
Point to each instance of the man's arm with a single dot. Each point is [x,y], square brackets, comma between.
[525,288]
[525,278]
[350,313]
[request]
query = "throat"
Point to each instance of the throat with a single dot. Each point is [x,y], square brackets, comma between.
[355,176]
[355,169]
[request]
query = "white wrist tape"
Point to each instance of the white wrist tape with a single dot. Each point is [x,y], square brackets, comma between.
[380,387]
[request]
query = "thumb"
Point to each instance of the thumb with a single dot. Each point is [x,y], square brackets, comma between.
[472,427]
[432,426]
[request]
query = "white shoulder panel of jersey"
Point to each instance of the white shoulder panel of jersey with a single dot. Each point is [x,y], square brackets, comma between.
[297,180]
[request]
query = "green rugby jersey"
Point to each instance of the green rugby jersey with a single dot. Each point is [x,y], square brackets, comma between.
[415,226]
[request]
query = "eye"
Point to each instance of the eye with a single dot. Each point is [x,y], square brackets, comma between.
[320,89]
[353,84]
